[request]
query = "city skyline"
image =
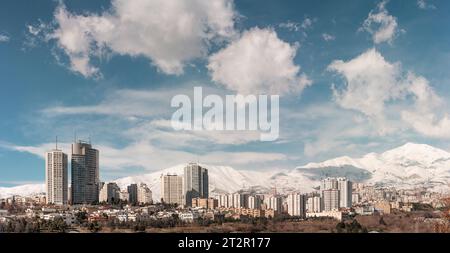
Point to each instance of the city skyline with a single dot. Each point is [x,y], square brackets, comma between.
[363,77]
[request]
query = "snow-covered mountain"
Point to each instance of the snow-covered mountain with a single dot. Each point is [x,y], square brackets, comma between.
[411,165]
[22,190]
[222,179]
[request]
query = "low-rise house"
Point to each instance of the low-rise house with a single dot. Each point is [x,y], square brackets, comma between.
[189,216]
[337,215]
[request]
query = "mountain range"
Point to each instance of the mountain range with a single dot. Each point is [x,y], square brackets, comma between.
[408,166]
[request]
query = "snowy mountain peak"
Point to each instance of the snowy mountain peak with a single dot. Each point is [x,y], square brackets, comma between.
[423,148]
[422,153]
[408,166]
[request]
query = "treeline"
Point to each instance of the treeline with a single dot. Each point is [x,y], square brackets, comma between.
[22,225]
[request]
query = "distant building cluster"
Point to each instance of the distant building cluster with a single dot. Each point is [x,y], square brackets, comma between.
[85,187]
[188,196]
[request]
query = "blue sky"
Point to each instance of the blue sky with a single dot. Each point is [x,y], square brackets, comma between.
[365,76]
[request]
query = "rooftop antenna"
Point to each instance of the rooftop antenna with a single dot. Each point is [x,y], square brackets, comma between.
[56,143]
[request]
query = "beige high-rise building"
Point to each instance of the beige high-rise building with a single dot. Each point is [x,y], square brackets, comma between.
[144,194]
[56,177]
[172,189]
[109,193]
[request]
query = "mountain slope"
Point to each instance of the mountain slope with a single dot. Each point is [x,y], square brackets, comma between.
[408,166]
[22,190]
[222,179]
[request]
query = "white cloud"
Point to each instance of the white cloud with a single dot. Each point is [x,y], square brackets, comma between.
[307,23]
[146,115]
[381,25]
[258,62]
[161,130]
[328,37]
[122,103]
[4,38]
[296,27]
[142,154]
[426,116]
[372,83]
[424,5]
[291,26]
[169,33]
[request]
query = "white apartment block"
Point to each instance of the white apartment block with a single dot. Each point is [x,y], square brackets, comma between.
[345,192]
[275,203]
[296,204]
[314,204]
[224,201]
[329,183]
[56,177]
[254,202]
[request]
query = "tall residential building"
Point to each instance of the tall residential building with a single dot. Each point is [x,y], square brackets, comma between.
[172,189]
[296,205]
[56,177]
[85,173]
[254,202]
[144,194]
[275,203]
[330,199]
[196,184]
[238,200]
[110,193]
[223,201]
[133,194]
[345,192]
[314,204]
[329,183]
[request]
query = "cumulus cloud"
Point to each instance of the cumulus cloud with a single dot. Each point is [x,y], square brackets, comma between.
[371,82]
[258,62]
[426,116]
[381,25]
[167,32]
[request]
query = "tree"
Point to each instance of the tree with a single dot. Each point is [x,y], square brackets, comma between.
[94,227]
[381,221]
[352,227]
[81,217]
